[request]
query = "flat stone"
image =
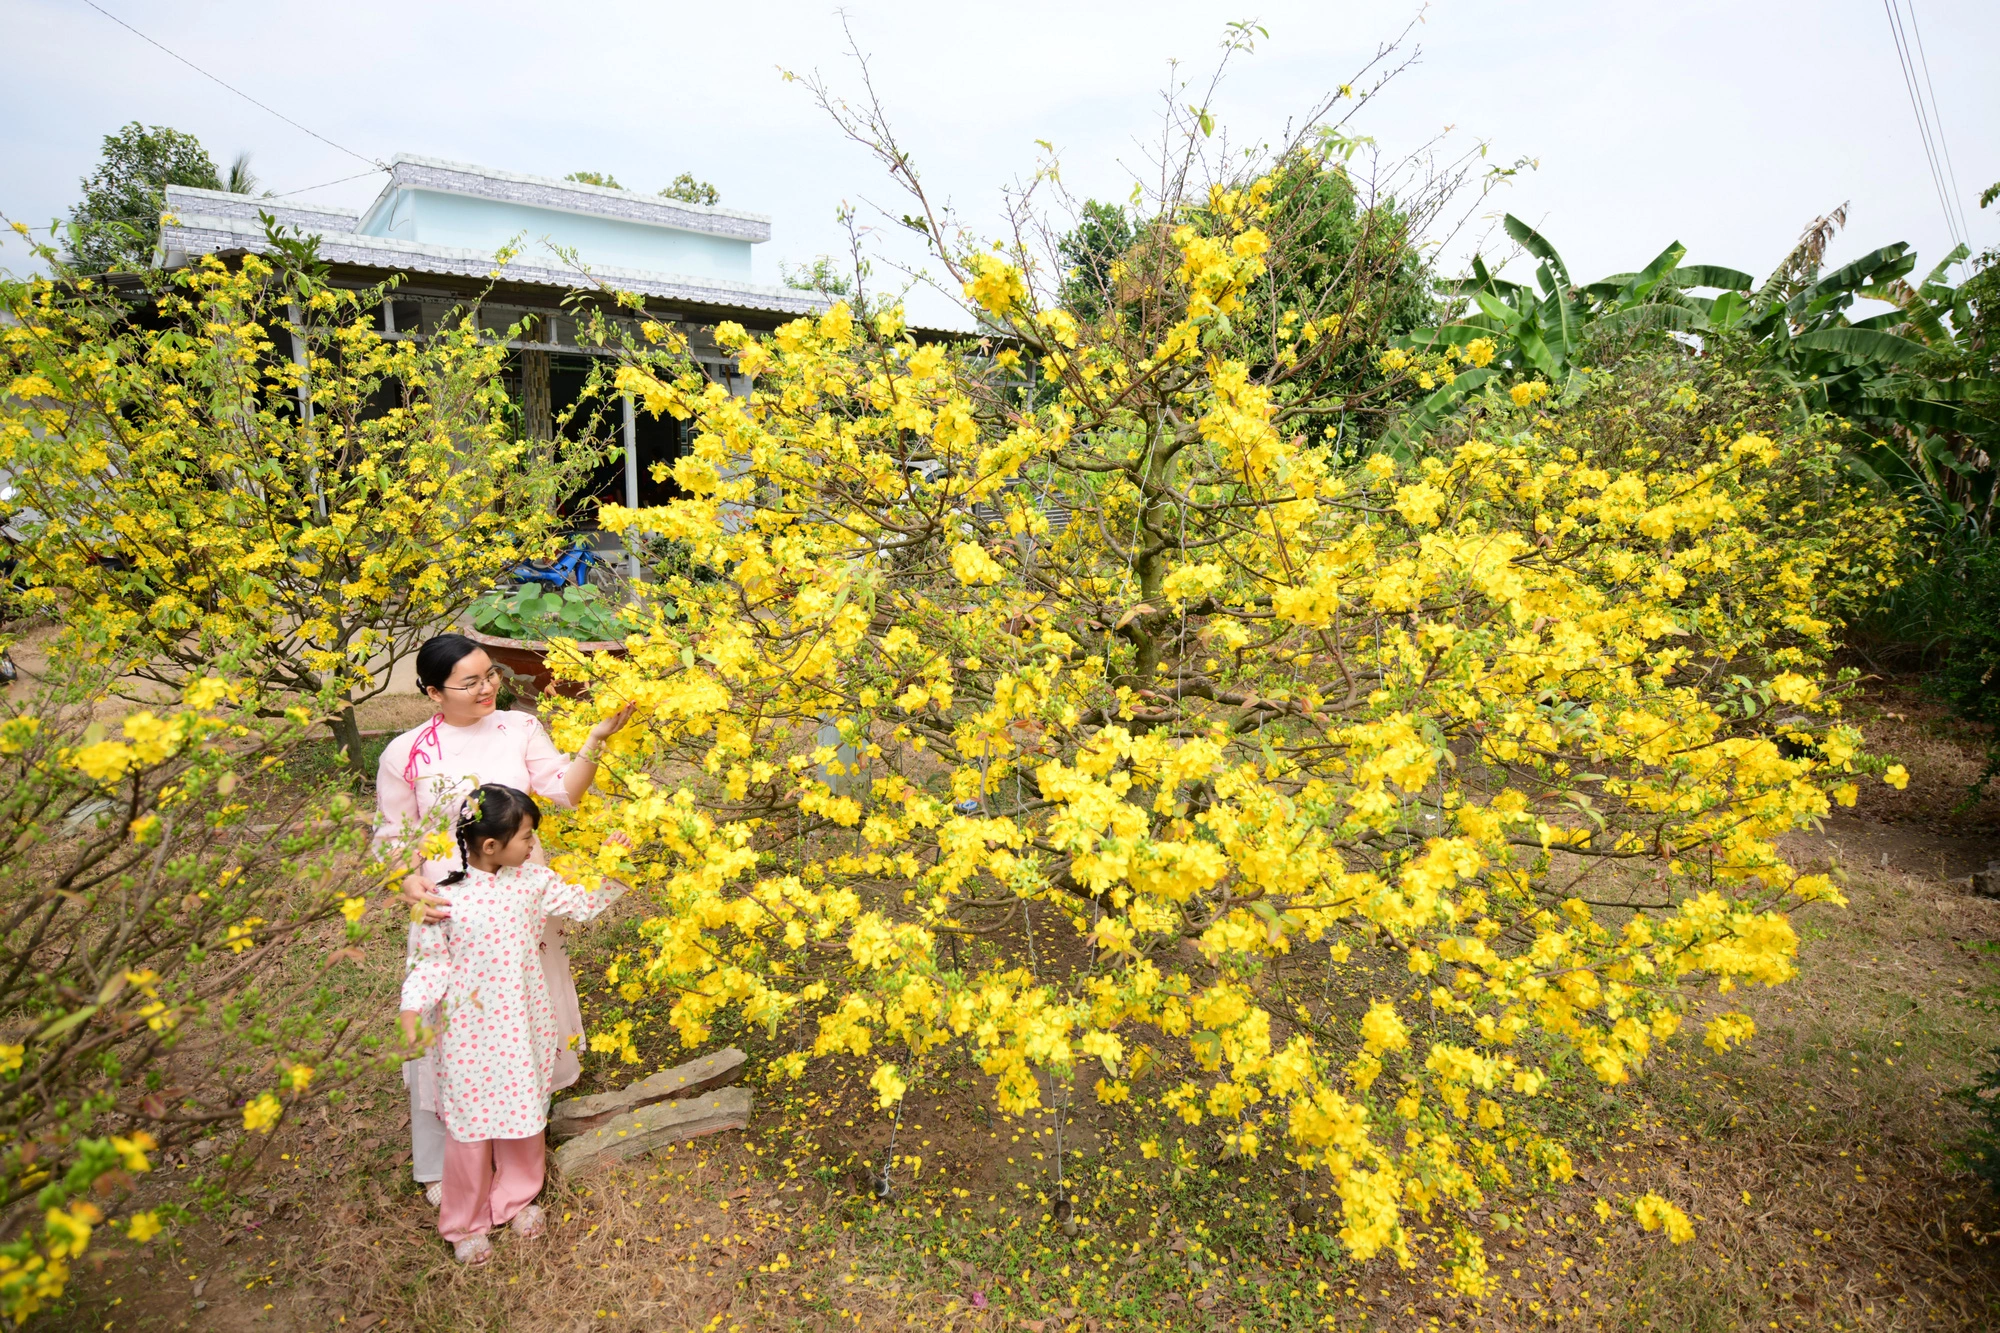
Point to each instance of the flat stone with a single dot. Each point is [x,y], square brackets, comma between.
[578,1115]
[1987,883]
[639,1132]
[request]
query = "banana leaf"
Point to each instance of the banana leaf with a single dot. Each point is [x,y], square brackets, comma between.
[1713,275]
[1870,345]
[1646,279]
[1535,244]
[1877,267]
[1425,416]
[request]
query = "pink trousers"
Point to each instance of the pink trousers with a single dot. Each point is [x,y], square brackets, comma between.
[487,1183]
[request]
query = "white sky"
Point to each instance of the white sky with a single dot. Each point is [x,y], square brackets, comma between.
[1725,125]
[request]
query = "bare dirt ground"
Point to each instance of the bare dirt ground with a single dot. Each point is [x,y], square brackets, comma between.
[1817,1163]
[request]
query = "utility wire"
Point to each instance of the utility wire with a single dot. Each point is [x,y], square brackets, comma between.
[1923,121]
[372,171]
[372,162]
[1937,119]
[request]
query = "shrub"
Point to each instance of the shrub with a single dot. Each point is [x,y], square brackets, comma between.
[533,612]
[162,969]
[178,502]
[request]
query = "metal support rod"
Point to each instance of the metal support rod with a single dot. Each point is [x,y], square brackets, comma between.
[631,478]
[300,360]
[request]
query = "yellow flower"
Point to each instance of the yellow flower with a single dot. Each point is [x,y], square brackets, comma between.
[1480,351]
[1897,776]
[971,564]
[10,1057]
[997,287]
[106,761]
[298,1077]
[889,1086]
[16,732]
[352,908]
[1726,1030]
[1529,393]
[67,1234]
[262,1113]
[241,935]
[1655,1212]
[142,1227]
[132,1152]
[205,693]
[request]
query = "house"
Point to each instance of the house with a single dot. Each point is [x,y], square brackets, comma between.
[439,225]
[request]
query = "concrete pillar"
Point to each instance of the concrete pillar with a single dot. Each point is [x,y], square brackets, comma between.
[631,477]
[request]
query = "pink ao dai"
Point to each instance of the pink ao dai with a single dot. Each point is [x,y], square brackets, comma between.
[496,1057]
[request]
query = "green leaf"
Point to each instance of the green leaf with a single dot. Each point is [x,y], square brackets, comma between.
[1207,1047]
[1651,315]
[1728,309]
[1642,283]
[65,1023]
[1874,268]
[1713,275]
[1438,406]
[1871,345]
[1446,334]
[1535,244]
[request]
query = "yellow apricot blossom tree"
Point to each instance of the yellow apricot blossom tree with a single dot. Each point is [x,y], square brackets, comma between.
[238,457]
[1503,731]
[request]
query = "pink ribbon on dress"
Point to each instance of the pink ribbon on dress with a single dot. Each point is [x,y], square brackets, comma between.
[428,736]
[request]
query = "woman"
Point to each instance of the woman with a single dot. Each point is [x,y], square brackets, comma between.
[470,742]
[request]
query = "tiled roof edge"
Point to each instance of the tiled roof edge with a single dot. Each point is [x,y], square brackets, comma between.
[411,171]
[220,203]
[197,234]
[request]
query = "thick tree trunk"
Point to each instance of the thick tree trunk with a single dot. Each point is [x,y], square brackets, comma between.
[347,734]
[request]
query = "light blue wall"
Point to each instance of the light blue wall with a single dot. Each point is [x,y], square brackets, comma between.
[487,224]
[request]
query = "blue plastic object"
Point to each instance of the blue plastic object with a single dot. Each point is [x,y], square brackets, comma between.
[570,569]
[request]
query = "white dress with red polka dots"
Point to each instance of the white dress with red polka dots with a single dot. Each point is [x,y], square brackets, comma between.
[497,1054]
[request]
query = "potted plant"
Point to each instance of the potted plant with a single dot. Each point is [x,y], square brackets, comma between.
[515,627]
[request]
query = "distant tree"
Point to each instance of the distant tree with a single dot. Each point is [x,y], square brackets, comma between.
[819,276]
[1100,237]
[603,178]
[117,222]
[241,179]
[688,190]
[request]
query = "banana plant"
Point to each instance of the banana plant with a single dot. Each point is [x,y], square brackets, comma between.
[1882,370]
[1538,331]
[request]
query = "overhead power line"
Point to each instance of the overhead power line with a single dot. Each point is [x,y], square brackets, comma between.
[1925,117]
[1937,120]
[375,163]
[307,189]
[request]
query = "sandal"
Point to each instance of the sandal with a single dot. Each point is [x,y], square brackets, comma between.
[434,1194]
[530,1222]
[473,1250]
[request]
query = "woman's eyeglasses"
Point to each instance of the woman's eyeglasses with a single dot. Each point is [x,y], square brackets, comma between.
[488,681]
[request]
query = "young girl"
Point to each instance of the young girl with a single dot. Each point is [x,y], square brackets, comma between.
[497,1051]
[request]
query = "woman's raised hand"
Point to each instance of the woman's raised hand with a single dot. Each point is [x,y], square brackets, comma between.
[422,896]
[612,725]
